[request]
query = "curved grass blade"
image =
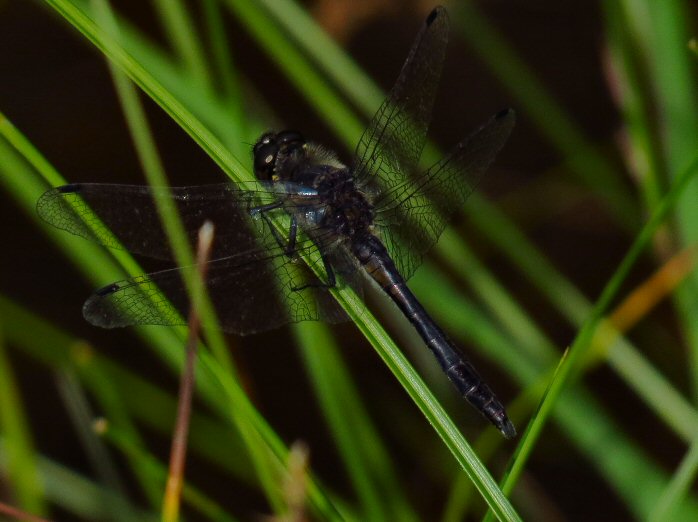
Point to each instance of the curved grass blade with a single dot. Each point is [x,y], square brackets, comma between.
[582,343]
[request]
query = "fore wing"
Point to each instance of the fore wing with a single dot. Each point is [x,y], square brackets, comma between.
[125,216]
[390,147]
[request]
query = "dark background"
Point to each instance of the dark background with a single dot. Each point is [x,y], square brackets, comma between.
[56,89]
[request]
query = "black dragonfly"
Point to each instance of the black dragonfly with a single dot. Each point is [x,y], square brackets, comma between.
[380,214]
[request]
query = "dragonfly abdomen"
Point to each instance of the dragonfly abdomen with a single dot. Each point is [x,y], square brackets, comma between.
[374,257]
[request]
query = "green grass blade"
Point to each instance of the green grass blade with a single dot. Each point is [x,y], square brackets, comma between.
[109,391]
[158,473]
[181,32]
[651,386]
[226,75]
[317,346]
[362,450]
[331,59]
[152,87]
[298,69]
[582,342]
[20,467]
[678,487]
[76,404]
[673,72]
[77,494]
[627,46]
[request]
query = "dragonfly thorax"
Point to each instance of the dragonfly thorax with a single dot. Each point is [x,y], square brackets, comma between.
[348,212]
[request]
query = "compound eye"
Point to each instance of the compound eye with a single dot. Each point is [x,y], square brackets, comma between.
[265,159]
[264,139]
[290,137]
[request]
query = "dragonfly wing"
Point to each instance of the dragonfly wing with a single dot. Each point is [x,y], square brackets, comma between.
[412,216]
[125,216]
[392,144]
[250,293]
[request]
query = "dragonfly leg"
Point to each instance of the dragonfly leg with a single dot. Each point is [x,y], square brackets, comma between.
[287,244]
[331,278]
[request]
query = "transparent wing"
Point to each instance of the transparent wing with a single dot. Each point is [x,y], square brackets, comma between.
[392,144]
[252,281]
[411,216]
[250,293]
[128,217]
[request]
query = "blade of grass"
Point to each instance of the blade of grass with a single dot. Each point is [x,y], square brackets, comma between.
[675,83]
[225,73]
[18,514]
[181,32]
[582,342]
[75,493]
[678,487]
[107,388]
[627,47]
[651,386]
[76,404]
[648,294]
[158,473]
[366,459]
[20,467]
[156,409]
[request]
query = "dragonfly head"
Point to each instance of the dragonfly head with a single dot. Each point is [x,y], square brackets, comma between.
[278,154]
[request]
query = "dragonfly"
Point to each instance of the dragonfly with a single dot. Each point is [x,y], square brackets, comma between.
[378,216]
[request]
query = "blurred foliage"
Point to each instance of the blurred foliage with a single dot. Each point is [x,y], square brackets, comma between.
[380,461]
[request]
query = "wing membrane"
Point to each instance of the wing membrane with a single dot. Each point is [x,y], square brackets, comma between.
[125,216]
[392,144]
[252,281]
[251,293]
[412,216]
